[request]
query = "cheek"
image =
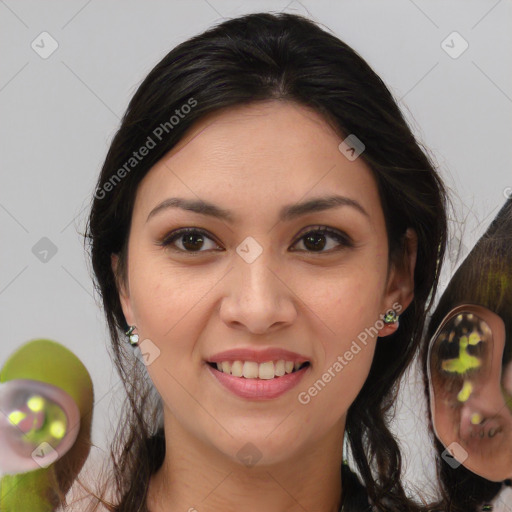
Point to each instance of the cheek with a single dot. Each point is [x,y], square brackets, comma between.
[347,303]
[170,311]
[166,298]
[348,306]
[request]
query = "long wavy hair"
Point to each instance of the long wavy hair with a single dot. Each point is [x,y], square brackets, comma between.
[252,58]
[483,278]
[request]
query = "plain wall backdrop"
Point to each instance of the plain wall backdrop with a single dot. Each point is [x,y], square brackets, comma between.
[69,68]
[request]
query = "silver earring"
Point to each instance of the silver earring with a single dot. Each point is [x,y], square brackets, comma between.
[133,339]
[391,317]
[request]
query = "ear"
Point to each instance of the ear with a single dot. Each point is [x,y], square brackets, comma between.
[400,283]
[123,290]
[469,410]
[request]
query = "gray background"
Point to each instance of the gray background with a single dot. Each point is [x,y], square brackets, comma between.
[58,115]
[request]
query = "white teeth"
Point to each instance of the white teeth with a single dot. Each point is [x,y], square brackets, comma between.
[236,369]
[252,370]
[266,370]
[279,368]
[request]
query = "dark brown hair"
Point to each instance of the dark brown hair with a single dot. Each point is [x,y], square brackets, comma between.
[484,278]
[260,57]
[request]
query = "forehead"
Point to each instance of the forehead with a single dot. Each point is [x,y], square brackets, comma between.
[262,152]
[242,122]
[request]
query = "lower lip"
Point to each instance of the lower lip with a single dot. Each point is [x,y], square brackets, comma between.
[259,389]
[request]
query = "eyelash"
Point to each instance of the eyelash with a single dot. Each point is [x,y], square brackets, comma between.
[339,236]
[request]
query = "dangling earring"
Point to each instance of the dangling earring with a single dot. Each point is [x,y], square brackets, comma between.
[390,317]
[133,339]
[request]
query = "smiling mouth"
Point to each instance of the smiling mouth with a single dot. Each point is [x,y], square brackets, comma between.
[253,370]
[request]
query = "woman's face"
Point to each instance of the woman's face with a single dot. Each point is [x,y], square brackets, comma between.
[260,280]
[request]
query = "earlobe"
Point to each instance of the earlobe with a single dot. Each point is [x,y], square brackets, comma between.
[389,327]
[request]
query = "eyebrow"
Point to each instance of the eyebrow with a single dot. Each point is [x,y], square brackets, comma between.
[287,213]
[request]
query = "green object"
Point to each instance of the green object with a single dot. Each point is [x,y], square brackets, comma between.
[465,361]
[465,392]
[27,492]
[50,362]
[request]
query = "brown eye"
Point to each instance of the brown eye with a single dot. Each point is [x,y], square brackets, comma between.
[315,240]
[191,239]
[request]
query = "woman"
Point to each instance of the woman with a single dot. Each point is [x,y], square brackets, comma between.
[470,388]
[263,217]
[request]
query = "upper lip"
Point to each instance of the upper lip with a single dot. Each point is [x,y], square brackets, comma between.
[258,356]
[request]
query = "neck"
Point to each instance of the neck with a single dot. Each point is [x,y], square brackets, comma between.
[197,477]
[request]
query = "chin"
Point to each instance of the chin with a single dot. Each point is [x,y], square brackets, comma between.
[259,449]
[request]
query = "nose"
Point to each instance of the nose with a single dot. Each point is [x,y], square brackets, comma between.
[258,298]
